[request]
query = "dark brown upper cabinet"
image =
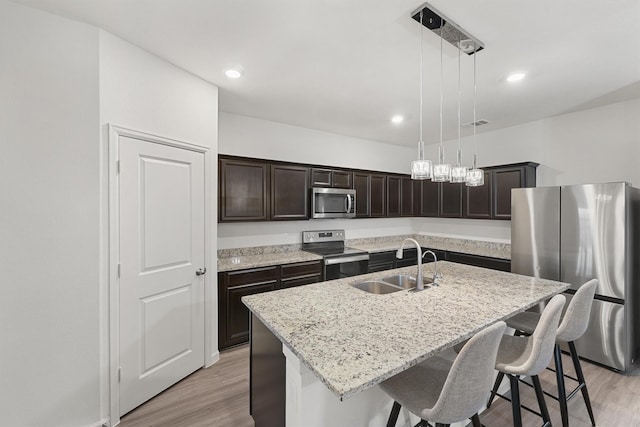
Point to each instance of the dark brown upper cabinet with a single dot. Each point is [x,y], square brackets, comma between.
[331,178]
[429,198]
[477,200]
[378,196]
[394,195]
[451,200]
[244,190]
[406,207]
[505,179]
[362,185]
[289,192]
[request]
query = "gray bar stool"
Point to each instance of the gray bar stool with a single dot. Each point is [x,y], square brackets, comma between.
[528,356]
[446,392]
[573,325]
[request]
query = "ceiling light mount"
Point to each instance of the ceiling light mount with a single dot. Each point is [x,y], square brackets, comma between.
[451,32]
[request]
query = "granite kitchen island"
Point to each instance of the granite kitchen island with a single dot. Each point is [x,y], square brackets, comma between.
[336,342]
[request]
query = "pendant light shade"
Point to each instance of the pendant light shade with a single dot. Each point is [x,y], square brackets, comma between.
[421,168]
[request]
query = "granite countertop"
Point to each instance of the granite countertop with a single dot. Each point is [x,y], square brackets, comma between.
[465,246]
[240,262]
[261,256]
[353,340]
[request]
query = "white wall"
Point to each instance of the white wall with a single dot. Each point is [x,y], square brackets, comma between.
[49,220]
[596,145]
[139,91]
[251,137]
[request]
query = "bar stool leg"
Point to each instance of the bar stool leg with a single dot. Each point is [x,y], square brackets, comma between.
[515,401]
[562,392]
[540,395]
[393,416]
[578,368]
[495,388]
[475,421]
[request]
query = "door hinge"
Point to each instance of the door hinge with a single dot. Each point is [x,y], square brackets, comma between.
[117,166]
[118,271]
[119,373]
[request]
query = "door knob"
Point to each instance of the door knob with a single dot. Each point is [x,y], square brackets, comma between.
[201,271]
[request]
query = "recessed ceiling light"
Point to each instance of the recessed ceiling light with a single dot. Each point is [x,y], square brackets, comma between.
[397,119]
[233,73]
[515,77]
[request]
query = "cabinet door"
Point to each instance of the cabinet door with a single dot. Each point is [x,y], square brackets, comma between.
[406,207]
[380,261]
[480,261]
[477,200]
[362,185]
[244,194]
[320,177]
[503,181]
[342,179]
[394,194]
[378,199]
[451,200]
[289,192]
[233,315]
[430,198]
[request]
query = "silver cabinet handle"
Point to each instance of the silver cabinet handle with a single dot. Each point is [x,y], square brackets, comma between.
[201,271]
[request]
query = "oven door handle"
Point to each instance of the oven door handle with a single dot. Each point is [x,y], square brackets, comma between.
[342,260]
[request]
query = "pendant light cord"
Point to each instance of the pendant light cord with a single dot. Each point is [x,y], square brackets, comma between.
[459,154]
[420,141]
[475,94]
[441,151]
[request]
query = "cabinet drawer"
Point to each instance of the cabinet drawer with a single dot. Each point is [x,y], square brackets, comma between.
[380,266]
[299,281]
[480,261]
[256,275]
[309,268]
[382,257]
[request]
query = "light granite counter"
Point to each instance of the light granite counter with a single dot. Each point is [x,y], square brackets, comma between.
[352,340]
[465,246]
[262,256]
[241,262]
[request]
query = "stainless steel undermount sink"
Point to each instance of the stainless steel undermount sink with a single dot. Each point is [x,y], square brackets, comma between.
[389,284]
[376,287]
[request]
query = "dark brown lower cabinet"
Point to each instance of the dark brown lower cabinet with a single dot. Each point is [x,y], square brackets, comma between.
[233,315]
[380,261]
[480,261]
[267,377]
[300,273]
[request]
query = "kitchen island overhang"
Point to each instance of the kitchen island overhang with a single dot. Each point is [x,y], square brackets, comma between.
[352,340]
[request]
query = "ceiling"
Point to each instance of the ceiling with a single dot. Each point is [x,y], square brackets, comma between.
[347,66]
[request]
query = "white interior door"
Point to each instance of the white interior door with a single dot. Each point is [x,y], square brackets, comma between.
[161,248]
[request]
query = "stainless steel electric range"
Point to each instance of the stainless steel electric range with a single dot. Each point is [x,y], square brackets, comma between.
[338,261]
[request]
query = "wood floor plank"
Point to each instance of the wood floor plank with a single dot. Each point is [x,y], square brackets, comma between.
[219,397]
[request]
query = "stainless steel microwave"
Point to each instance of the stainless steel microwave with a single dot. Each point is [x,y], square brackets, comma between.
[333,203]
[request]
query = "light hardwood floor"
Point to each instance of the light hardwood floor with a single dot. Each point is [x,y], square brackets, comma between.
[219,396]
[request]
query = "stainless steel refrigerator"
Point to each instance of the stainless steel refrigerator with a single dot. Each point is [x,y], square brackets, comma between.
[577,233]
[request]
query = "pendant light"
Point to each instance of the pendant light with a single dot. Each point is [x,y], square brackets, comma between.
[442,170]
[459,172]
[421,168]
[475,176]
